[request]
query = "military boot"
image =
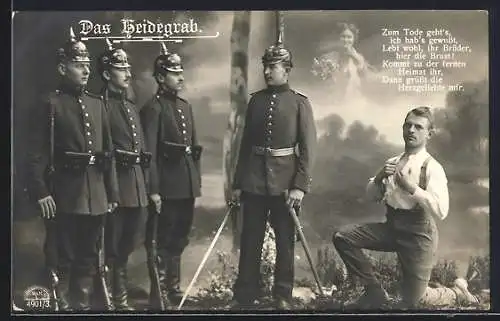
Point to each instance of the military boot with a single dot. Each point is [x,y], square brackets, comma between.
[84,288]
[119,289]
[174,279]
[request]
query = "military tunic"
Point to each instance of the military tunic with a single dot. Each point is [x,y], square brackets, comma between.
[169,118]
[81,125]
[127,135]
[277,117]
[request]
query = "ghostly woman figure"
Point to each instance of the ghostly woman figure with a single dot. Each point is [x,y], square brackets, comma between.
[343,65]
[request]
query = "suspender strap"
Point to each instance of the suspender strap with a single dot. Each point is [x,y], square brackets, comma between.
[423,174]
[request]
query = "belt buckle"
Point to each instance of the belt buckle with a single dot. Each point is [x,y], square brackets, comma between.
[92,160]
[138,160]
[267,150]
[188,150]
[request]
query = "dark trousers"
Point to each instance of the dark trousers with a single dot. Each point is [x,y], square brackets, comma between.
[78,238]
[174,225]
[412,234]
[256,209]
[123,230]
[50,244]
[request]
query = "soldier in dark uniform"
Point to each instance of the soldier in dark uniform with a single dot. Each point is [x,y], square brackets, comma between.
[174,178]
[272,174]
[84,181]
[123,226]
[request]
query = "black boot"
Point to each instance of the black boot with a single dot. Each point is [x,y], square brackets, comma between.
[120,293]
[84,287]
[61,282]
[154,300]
[174,279]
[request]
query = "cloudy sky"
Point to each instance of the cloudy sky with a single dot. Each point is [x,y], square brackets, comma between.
[307,32]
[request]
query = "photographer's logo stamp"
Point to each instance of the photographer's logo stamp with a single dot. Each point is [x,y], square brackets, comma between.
[37,298]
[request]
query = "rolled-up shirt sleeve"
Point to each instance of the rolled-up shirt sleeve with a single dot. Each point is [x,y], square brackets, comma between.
[435,198]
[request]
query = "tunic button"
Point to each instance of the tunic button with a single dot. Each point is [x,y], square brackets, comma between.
[272,103]
[128,110]
[86,114]
[269,124]
[80,100]
[131,118]
[274,95]
[133,126]
[182,116]
[179,110]
[83,106]
[88,133]
[183,124]
[90,151]
[184,132]
[136,151]
[87,124]
[90,142]
[270,109]
[270,116]
[157,96]
[135,134]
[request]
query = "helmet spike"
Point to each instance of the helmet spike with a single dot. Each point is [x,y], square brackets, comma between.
[109,44]
[164,50]
[72,35]
[280,30]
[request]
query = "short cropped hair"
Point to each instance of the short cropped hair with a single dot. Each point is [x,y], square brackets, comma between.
[423,111]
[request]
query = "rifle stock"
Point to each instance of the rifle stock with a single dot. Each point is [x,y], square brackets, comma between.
[153,260]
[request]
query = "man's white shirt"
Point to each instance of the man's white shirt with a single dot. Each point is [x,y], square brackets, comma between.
[434,199]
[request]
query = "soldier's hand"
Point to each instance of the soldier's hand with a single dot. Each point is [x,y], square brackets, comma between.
[48,207]
[294,198]
[156,199]
[112,207]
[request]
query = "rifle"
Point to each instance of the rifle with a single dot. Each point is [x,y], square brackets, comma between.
[153,258]
[103,269]
[50,224]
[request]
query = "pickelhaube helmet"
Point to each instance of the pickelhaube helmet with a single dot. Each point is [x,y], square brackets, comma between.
[277,52]
[73,50]
[113,57]
[167,61]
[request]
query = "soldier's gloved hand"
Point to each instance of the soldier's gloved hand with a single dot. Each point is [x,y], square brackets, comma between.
[112,207]
[294,198]
[48,207]
[156,199]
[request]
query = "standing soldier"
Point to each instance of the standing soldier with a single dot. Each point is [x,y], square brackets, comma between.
[84,186]
[123,226]
[174,180]
[272,174]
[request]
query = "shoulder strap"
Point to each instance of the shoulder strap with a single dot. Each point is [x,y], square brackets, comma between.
[423,173]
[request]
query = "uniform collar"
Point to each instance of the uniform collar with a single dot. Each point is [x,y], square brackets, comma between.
[166,93]
[279,88]
[106,92]
[72,90]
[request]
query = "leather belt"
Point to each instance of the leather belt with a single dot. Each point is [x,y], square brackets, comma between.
[279,152]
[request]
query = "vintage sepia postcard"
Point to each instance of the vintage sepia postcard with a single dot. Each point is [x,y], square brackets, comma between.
[243,161]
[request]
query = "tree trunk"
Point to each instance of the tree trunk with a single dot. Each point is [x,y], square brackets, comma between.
[239,93]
